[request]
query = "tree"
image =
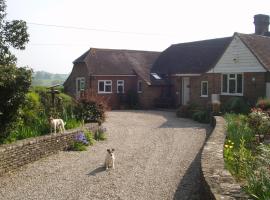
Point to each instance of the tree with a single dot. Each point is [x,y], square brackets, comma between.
[12,34]
[14,82]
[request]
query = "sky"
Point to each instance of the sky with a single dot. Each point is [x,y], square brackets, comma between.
[62,30]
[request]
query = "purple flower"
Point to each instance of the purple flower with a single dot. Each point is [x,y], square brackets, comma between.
[80,137]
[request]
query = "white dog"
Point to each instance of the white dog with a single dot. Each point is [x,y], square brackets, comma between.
[57,124]
[109,160]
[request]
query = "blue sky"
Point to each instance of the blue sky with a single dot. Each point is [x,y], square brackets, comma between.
[159,24]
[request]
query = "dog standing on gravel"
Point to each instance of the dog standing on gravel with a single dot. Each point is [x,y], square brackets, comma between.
[57,124]
[110,158]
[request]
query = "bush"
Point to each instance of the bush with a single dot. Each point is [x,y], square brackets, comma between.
[89,137]
[90,111]
[264,104]
[201,116]
[80,142]
[14,84]
[236,105]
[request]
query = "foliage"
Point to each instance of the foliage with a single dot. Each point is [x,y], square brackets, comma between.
[236,105]
[132,99]
[259,122]
[258,180]
[13,34]
[14,84]
[72,123]
[90,111]
[78,146]
[263,104]
[246,161]
[100,134]
[238,129]
[201,116]
[89,136]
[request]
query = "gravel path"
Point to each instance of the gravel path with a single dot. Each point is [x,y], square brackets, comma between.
[157,157]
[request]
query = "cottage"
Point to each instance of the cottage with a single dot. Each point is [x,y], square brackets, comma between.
[112,73]
[218,69]
[201,72]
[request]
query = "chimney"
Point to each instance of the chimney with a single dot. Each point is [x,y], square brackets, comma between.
[261,23]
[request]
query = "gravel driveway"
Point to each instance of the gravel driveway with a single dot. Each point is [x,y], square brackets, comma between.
[157,157]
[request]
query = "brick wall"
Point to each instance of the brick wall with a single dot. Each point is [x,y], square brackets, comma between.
[148,95]
[15,155]
[79,70]
[252,89]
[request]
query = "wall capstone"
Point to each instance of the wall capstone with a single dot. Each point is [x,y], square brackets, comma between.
[218,182]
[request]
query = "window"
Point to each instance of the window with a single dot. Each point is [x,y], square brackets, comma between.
[156,76]
[104,86]
[139,87]
[120,86]
[204,89]
[232,84]
[80,84]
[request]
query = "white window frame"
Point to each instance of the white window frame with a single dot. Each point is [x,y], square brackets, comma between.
[139,83]
[109,82]
[204,95]
[228,89]
[121,83]
[79,87]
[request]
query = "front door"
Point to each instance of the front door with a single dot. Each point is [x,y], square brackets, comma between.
[185,90]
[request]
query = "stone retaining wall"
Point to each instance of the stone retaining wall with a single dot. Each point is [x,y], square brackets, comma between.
[15,155]
[218,182]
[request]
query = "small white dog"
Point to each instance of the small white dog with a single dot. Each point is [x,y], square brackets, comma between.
[110,158]
[57,124]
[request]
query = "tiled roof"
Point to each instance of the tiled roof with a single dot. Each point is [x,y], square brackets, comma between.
[259,46]
[191,58]
[119,62]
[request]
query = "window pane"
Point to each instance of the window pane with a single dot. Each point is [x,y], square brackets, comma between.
[139,86]
[82,84]
[232,86]
[204,88]
[108,88]
[239,83]
[78,84]
[101,86]
[232,75]
[120,89]
[224,83]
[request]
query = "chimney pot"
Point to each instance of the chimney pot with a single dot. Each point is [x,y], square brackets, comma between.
[261,23]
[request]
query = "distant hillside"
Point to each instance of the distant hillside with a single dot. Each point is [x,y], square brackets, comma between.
[42,78]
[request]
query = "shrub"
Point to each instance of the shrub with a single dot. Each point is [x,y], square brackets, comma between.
[80,142]
[14,84]
[264,104]
[236,105]
[259,122]
[90,111]
[201,116]
[89,136]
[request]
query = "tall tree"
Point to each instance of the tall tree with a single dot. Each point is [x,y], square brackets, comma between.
[14,82]
[12,34]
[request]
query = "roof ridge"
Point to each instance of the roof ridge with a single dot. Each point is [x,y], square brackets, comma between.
[127,50]
[206,40]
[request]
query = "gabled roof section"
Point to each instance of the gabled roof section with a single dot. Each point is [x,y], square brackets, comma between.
[191,58]
[259,46]
[119,62]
